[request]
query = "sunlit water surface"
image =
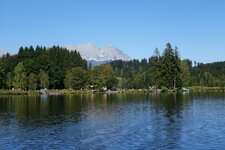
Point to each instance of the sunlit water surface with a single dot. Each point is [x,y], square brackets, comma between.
[191,121]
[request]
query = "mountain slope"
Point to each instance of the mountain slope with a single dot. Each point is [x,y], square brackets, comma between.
[91,52]
[1,52]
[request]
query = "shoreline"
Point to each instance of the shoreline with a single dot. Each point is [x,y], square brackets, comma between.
[125,91]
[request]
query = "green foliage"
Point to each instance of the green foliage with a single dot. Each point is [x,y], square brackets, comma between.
[75,78]
[55,61]
[9,80]
[170,66]
[111,82]
[32,81]
[208,79]
[102,76]
[138,81]
[155,71]
[19,80]
[43,79]
[185,73]
[211,74]
[58,68]
[1,74]
[166,70]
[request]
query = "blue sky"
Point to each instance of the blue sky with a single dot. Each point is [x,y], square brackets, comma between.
[196,27]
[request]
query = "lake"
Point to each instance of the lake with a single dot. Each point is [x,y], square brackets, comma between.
[117,121]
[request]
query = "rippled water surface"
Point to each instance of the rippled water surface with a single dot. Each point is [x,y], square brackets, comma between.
[193,121]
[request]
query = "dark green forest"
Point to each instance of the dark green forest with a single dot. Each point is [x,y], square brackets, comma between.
[31,67]
[168,70]
[58,68]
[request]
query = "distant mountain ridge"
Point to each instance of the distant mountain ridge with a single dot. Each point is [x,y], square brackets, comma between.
[2,52]
[91,52]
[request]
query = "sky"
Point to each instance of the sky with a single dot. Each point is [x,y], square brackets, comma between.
[196,27]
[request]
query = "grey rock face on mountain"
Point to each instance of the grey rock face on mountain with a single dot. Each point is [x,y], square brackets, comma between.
[92,52]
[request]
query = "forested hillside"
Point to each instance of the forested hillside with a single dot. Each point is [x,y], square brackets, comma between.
[168,70]
[54,68]
[59,68]
[210,74]
[32,65]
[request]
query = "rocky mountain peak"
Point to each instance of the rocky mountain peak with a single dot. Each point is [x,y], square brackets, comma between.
[90,52]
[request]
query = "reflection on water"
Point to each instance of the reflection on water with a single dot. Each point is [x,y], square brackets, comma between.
[119,121]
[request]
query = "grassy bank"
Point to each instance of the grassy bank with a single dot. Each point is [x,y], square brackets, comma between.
[18,92]
[37,92]
[69,92]
[192,89]
[206,89]
[126,91]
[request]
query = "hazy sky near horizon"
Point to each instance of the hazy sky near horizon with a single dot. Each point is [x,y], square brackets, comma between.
[196,27]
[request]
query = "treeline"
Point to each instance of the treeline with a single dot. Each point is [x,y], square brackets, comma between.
[100,77]
[59,68]
[210,74]
[54,68]
[169,71]
[35,68]
[166,70]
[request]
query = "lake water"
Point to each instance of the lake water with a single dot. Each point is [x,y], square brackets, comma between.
[167,121]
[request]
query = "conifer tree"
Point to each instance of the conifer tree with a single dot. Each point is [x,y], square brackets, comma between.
[155,68]
[170,68]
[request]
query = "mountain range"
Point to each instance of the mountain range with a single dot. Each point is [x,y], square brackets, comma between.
[2,52]
[95,54]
